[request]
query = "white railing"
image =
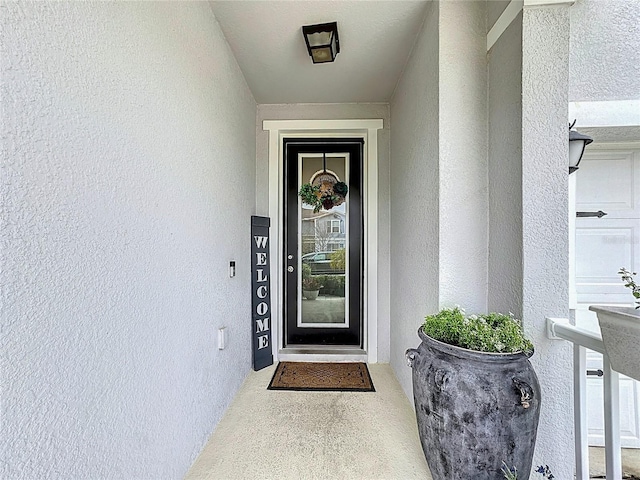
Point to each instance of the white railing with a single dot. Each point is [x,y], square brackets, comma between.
[561,329]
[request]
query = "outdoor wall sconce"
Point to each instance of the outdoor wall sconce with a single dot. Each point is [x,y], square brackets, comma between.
[577,143]
[322,41]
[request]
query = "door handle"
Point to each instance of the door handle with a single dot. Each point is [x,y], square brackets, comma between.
[290,269]
[598,214]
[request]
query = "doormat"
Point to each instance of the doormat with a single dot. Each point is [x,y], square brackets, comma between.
[322,377]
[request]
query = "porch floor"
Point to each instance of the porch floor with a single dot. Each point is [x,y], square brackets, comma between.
[269,434]
[630,463]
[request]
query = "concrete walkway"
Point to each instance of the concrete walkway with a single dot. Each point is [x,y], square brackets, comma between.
[324,309]
[269,434]
[328,435]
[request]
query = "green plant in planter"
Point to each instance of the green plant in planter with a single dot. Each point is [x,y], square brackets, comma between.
[492,332]
[311,284]
[332,284]
[483,359]
[627,278]
[306,271]
[509,473]
[512,473]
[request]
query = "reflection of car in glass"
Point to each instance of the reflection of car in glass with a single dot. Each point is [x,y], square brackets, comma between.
[320,263]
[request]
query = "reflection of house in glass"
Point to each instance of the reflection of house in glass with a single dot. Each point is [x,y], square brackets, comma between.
[324,231]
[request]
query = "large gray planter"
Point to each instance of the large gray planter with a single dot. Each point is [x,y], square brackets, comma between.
[474,410]
[620,329]
[310,294]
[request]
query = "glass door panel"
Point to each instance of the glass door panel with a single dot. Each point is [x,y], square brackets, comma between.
[323,243]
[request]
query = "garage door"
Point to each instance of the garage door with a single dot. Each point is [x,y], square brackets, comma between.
[608,180]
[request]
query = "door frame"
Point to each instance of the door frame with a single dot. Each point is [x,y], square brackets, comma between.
[367,129]
[313,337]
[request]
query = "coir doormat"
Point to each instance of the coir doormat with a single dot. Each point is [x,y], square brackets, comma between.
[323,377]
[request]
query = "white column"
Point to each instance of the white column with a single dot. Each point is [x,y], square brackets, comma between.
[545,66]
[463,226]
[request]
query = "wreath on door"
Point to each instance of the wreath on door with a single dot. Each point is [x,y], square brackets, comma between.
[325,191]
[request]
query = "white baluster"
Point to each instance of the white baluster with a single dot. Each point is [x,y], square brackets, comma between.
[580,411]
[612,446]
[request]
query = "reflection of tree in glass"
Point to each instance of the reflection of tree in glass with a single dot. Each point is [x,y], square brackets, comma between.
[322,237]
[338,260]
[323,232]
[308,246]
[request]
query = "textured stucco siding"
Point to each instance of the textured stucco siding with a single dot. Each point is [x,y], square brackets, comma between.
[504,293]
[463,155]
[545,72]
[604,61]
[128,181]
[414,196]
[339,111]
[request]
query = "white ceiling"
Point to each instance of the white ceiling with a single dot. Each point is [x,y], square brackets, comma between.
[376,38]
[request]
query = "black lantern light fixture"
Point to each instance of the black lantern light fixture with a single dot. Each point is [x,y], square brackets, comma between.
[322,41]
[577,143]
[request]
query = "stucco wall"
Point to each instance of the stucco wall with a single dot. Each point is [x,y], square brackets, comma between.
[504,293]
[414,196]
[545,240]
[526,106]
[128,181]
[604,61]
[339,111]
[439,175]
[463,155]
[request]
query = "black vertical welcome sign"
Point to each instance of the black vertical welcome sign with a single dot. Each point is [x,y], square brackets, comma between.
[261,293]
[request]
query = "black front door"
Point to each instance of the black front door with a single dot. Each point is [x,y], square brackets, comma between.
[323,254]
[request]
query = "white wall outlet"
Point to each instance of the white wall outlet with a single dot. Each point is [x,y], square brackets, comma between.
[222,338]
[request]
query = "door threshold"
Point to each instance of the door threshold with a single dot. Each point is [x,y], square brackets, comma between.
[322,353]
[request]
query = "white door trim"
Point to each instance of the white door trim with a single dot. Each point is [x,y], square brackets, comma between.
[366,129]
